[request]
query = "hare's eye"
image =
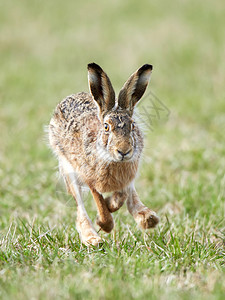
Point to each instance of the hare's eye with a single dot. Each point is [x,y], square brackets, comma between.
[132,126]
[106,126]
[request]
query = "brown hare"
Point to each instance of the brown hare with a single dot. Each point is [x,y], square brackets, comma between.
[98,144]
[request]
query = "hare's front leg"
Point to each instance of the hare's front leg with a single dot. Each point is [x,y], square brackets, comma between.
[144,217]
[115,201]
[84,226]
[104,219]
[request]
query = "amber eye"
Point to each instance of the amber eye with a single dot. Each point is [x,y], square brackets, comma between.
[106,126]
[132,126]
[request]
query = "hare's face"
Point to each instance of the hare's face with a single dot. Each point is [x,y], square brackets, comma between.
[117,136]
[120,140]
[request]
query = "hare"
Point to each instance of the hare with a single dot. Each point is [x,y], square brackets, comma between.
[98,144]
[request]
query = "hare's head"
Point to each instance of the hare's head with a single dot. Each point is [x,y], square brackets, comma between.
[119,138]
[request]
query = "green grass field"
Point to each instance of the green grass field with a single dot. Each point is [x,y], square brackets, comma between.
[44,49]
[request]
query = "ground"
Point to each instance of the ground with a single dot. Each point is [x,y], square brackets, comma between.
[45,47]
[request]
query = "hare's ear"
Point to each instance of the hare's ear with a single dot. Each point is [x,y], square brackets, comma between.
[101,88]
[134,88]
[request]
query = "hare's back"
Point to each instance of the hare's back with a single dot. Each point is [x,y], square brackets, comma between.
[73,112]
[70,120]
[77,106]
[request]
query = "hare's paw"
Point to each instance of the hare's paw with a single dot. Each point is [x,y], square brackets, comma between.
[115,201]
[87,233]
[112,205]
[107,224]
[93,240]
[146,218]
[90,237]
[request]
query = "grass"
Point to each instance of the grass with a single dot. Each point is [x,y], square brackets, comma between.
[45,48]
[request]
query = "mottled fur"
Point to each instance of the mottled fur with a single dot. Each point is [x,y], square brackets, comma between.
[99,144]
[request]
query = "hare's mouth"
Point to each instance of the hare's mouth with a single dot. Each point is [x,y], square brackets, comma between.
[123,155]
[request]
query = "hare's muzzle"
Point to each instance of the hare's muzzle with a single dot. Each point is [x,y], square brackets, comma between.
[124,154]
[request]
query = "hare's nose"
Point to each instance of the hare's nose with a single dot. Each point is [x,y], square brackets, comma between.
[123,153]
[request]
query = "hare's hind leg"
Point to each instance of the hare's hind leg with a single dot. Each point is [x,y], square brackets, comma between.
[115,201]
[144,217]
[104,219]
[84,226]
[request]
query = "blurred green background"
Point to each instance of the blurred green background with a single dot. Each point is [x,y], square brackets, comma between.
[44,50]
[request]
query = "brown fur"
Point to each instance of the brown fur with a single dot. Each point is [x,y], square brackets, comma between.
[104,159]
